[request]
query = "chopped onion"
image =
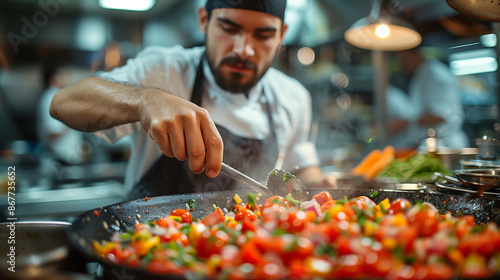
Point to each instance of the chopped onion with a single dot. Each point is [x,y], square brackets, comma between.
[311,205]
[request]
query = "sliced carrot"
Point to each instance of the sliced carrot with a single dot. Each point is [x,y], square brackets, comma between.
[387,156]
[367,162]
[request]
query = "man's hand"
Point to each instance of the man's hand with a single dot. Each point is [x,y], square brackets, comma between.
[182,130]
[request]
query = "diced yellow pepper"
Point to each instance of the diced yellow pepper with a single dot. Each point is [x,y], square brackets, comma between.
[195,232]
[389,243]
[384,205]
[103,248]
[232,223]
[176,218]
[143,245]
[332,212]
[370,228]
[400,220]
[214,260]
[237,199]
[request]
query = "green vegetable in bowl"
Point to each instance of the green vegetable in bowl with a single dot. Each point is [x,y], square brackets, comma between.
[417,167]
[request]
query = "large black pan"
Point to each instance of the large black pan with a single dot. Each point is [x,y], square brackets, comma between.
[100,224]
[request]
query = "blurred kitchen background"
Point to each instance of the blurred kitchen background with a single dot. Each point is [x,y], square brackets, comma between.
[86,38]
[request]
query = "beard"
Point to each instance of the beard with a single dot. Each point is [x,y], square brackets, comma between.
[234,82]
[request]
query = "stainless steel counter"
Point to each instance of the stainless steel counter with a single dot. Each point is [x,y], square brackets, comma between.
[63,204]
[64,192]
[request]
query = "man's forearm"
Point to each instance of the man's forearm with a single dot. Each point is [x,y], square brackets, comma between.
[95,104]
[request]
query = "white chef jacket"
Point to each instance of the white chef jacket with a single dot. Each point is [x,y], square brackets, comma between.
[68,146]
[433,88]
[174,70]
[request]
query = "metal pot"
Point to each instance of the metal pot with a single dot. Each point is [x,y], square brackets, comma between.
[37,249]
[451,158]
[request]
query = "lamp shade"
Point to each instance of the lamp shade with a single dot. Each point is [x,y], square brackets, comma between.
[488,10]
[393,34]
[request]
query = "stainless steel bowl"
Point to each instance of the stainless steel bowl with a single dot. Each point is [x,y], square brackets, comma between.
[478,178]
[35,244]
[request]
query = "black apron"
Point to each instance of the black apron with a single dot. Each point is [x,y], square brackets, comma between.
[252,156]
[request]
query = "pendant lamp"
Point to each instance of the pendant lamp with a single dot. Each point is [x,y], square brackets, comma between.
[382,31]
[488,10]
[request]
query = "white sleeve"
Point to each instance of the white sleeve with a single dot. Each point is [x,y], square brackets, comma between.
[302,152]
[442,94]
[49,125]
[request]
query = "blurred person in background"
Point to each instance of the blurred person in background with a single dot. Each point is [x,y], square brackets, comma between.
[188,109]
[432,100]
[59,142]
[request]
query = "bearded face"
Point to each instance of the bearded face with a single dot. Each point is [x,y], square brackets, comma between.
[241,46]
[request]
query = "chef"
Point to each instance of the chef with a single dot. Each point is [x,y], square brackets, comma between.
[432,101]
[187,110]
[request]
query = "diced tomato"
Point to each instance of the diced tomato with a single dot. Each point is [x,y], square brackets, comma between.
[349,266]
[436,271]
[327,205]
[363,202]
[482,243]
[317,267]
[404,272]
[211,242]
[122,255]
[367,201]
[250,254]
[269,270]
[301,249]
[296,270]
[399,205]
[379,264]
[270,243]
[344,246]
[274,200]
[165,267]
[322,197]
[468,219]
[184,214]
[248,225]
[407,237]
[293,221]
[245,213]
[178,237]
[424,219]
[213,218]
[168,222]
[475,266]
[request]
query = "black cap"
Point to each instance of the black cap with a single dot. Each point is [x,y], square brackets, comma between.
[272,7]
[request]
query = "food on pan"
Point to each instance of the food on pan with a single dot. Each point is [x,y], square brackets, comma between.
[316,239]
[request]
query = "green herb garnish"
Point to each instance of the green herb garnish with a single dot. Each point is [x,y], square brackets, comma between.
[192,204]
[373,194]
[292,200]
